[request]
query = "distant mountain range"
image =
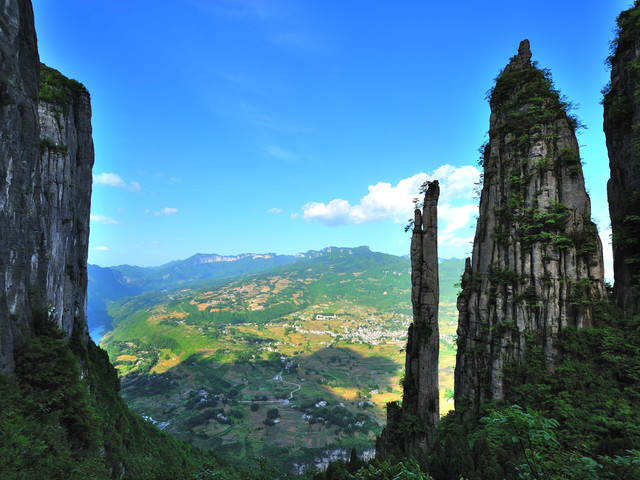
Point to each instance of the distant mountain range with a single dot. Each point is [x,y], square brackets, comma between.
[109,284]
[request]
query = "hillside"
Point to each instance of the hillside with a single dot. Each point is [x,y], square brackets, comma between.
[285,363]
[108,284]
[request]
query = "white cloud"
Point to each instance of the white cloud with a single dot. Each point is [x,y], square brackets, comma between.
[456,217]
[166,211]
[101,249]
[274,210]
[336,212]
[102,219]
[451,246]
[385,202]
[457,206]
[115,180]
[456,183]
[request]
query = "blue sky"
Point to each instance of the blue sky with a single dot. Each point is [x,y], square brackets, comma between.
[283,126]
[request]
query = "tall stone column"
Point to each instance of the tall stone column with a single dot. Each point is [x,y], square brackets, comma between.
[420,403]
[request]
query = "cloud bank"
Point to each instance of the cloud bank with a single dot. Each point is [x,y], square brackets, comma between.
[457,206]
[385,202]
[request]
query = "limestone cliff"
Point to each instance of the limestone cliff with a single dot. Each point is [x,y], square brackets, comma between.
[622,128]
[45,188]
[421,394]
[537,259]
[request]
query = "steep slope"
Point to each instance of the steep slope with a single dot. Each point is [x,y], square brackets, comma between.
[537,259]
[110,284]
[318,340]
[105,285]
[621,126]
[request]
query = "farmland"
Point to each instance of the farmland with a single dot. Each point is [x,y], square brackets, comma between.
[288,362]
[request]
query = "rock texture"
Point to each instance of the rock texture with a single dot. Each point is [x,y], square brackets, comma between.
[622,128]
[45,188]
[537,264]
[421,400]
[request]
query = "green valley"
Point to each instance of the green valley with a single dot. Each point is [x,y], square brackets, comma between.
[286,363]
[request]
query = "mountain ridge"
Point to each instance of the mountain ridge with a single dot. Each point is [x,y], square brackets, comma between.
[128,280]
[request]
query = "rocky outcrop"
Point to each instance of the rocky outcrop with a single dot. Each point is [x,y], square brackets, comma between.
[45,188]
[537,264]
[421,401]
[622,129]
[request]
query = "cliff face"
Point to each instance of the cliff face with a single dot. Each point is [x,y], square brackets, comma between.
[62,193]
[537,259]
[421,394]
[45,180]
[621,126]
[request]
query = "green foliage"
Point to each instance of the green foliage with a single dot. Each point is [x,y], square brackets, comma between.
[48,144]
[527,99]
[57,89]
[579,421]
[388,469]
[61,421]
[528,431]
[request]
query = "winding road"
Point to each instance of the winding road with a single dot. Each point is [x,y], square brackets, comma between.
[279,378]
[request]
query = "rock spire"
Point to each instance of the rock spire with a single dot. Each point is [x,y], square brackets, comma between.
[536,266]
[421,398]
[621,126]
[410,427]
